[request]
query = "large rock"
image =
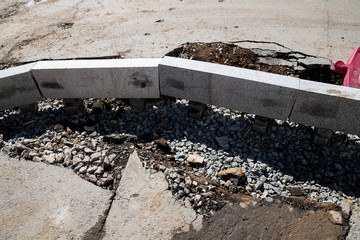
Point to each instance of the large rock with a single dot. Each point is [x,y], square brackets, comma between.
[40,201]
[144,209]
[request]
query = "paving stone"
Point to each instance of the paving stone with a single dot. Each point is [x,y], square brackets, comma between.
[48,202]
[144,209]
[17,87]
[327,106]
[246,90]
[109,78]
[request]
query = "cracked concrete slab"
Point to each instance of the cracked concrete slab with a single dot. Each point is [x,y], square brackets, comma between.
[40,201]
[149,29]
[144,209]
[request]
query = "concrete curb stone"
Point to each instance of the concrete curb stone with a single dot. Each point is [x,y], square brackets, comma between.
[107,78]
[17,87]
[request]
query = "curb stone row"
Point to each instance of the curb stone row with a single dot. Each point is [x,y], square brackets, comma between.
[265,94]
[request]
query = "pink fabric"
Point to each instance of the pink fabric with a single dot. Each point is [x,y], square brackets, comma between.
[351,70]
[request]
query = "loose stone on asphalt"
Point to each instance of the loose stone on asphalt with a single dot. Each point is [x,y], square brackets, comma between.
[41,201]
[144,209]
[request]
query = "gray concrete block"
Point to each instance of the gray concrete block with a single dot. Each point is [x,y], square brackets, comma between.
[319,140]
[259,129]
[260,124]
[196,110]
[327,106]
[72,105]
[17,87]
[250,91]
[138,104]
[110,78]
[28,108]
[323,132]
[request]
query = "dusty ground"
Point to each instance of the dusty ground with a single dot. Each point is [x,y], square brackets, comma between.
[63,29]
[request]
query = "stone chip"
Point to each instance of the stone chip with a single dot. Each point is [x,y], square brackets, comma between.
[195,160]
[232,173]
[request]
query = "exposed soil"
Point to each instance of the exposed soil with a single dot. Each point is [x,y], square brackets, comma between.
[267,221]
[233,55]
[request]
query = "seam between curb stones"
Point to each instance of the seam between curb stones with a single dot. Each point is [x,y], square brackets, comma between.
[296,97]
[36,83]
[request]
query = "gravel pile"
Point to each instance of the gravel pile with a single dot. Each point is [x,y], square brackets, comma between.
[282,162]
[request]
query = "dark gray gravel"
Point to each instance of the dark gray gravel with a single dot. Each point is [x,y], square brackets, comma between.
[275,163]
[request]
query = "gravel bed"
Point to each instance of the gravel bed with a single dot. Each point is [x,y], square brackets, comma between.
[96,141]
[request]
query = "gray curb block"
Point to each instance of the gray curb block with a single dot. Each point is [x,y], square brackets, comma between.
[265,94]
[110,78]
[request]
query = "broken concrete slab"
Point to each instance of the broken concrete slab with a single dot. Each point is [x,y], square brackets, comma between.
[40,201]
[327,106]
[144,208]
[246,90]
[17,87]
[114,78]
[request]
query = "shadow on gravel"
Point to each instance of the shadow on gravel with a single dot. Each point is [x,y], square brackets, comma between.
[285,148]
